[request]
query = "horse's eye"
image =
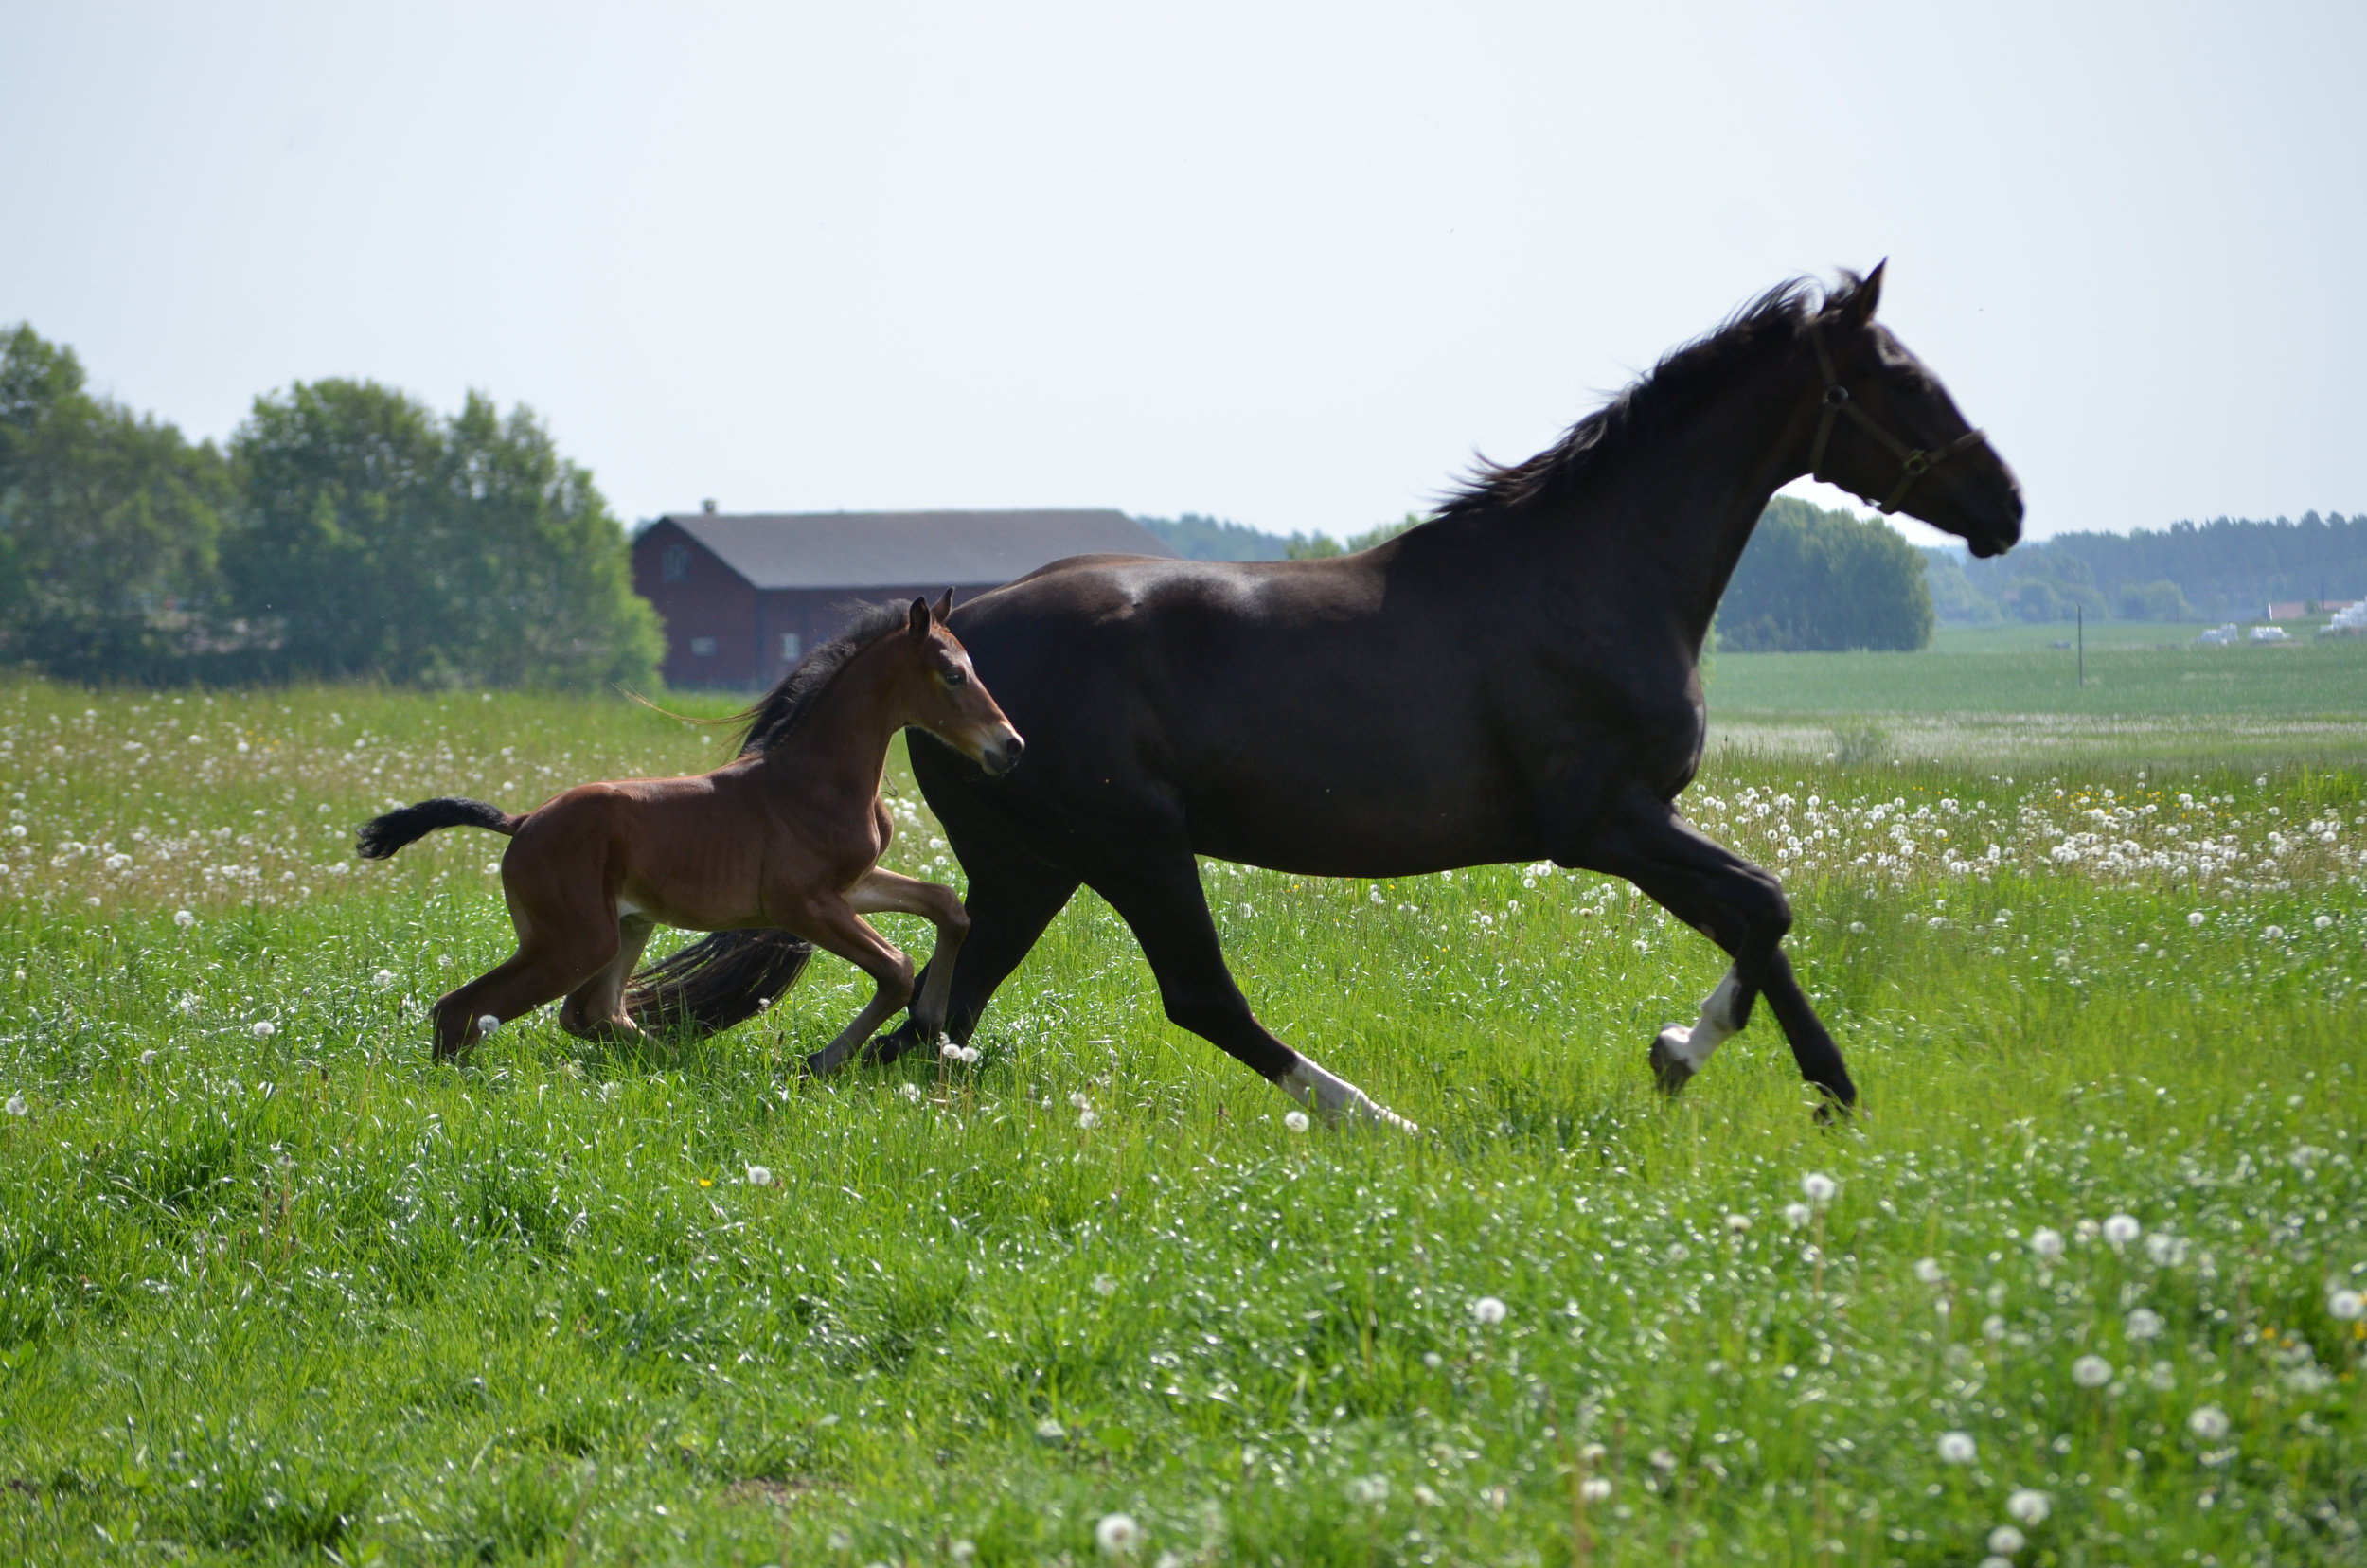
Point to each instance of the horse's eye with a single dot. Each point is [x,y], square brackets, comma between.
[956,677]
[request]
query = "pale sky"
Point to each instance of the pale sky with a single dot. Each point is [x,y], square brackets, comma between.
[1287,263]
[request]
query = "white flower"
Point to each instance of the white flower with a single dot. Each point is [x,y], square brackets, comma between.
[16,1106]
[2005,1540]
[383,979]
[1117,1533]
[1433,1359]
[2196,918]
[2026,1506]
[486,1024]
[1295,1120]
[1818,1188]
[2274,934]
[1105,1285]
[970,1054]
[264,1028]
[148,1058]
[1929,1271]
[949,1052]
[1993,1327]
[1371,1490]
[1487,1312]
[2323,921]
[2091,1371]
[183,918]
[760,1176]
[1795,1215]
[1594,1489]
[1738,1223]
[1079,1101]
[963,1551]
[2086,1231]
[2208,1422]
[1957,1448]
[1426,1497]
[2347,1304]
[2143,1324]
[2120,1229]
[2046,1243]
[1086,1121]
[1993,1561]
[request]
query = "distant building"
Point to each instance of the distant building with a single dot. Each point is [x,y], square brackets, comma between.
[745,595]
[2285,610]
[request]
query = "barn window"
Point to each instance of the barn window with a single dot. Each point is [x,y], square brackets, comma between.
[703,648]
[676,563]
[791,648]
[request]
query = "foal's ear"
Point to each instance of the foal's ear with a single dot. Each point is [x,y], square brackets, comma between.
[1858,309]
[945,607]
[917,622]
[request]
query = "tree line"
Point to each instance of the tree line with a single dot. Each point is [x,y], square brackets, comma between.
[346,529]
[2228,568]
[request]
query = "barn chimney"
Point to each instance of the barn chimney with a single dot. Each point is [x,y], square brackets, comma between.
[708,507]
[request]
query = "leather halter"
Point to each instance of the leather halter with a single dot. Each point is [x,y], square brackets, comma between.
[1913,462]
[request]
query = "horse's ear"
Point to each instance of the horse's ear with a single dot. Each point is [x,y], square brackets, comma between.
[917,622]
[945,607]
[1858,309]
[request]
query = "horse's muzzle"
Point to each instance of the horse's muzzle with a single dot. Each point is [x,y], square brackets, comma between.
[1000,760]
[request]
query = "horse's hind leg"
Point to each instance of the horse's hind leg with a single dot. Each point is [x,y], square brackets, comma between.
[1161,898]
[532,976]
[1737,905]
[596,1009]
[836,927]
[885,892]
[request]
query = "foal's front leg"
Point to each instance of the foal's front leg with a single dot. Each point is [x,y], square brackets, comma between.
[886,893]
[834,927]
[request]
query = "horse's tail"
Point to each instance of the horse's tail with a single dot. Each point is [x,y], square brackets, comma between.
[382,835]
[718,981]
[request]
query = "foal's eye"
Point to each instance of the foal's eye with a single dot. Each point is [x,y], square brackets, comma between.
[956,677]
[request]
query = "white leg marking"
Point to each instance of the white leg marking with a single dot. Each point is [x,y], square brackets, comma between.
[1335,1100]
[1680,1052]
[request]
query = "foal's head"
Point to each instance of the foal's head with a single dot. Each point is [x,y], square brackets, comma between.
[941,693]
[1889,431]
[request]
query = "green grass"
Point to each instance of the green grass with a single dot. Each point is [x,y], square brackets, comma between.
[297,1296]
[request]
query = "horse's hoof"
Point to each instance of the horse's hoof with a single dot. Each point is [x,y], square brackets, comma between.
[1669,1070]
[822,1063]
[887,1047]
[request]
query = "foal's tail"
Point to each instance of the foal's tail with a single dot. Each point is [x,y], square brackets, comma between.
[381,836]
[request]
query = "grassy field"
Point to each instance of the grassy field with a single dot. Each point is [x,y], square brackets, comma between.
[272,1288]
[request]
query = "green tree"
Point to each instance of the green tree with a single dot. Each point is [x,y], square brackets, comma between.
[1817,579]
[376,539]
[1304,546]
[108,524]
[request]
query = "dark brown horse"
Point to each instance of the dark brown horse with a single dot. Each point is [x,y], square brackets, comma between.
[787,837]
[1513,681]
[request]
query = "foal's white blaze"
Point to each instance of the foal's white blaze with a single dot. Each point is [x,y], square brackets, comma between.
[1335,1100]
[1683,1051]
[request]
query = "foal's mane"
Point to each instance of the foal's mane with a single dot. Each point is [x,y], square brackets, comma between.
[1665,394]
[770,721]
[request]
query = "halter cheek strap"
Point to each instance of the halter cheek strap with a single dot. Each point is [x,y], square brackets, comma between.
[1913,462]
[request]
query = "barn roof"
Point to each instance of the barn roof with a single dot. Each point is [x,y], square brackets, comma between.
[895,549]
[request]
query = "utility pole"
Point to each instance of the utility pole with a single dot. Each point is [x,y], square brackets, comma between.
[2082,611]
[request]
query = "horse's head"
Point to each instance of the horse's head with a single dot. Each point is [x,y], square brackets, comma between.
[946,697]
[1886,430]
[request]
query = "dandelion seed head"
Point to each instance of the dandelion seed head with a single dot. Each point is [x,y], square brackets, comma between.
[1795,1215]
[909,1091]
[2091,1371]
[1369,1490]
[2142,1324]
[1594,1489]
[1957,1448]
[16,1106]
[1087,1120]
[1487,1312]
[949,1052]
[760,1176]
[2209,1422]
[1117,1533]
[263,1028]
[2046,1244]
[183,918]
[2323,921]
[383,979]
[1433,1359]
[486,1024]
[2347,1304]
[1818,1188]
[2028,1506]
[2005,1540]
[1929,1271]
[1295,1120]
[2195,917]
[2120,1229]
[1738,1223]
[1426,1497]
[1993,1328]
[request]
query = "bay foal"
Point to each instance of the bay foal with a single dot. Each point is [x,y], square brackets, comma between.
[788,834]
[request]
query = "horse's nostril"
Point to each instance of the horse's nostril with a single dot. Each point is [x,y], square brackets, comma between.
[1012,747]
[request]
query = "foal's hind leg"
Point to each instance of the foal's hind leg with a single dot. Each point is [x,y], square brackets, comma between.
[1737,905]
[596,1009]
[836,927]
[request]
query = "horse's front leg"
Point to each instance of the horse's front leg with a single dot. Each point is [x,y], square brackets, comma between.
[835,926]
[887,893]
[1738,906]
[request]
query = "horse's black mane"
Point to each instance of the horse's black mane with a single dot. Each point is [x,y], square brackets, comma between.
[1667,393]
[770,721]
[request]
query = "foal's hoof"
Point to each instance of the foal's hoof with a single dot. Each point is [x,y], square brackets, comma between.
[1671,1071]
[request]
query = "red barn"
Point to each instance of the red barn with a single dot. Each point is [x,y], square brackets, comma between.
[746,594]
